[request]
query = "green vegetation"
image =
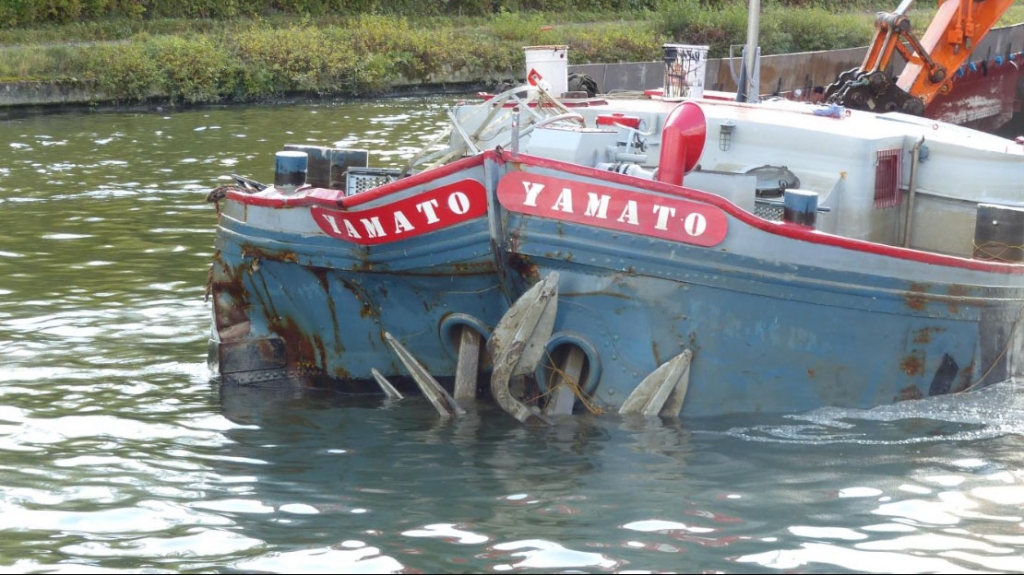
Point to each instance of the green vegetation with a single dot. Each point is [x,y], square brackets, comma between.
[201,51]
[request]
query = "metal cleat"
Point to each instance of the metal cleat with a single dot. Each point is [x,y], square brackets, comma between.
[663,391]
[445,405]
[519,342]
[385,385]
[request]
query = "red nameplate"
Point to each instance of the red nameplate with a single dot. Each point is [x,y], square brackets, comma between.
[651,215]
[407,218]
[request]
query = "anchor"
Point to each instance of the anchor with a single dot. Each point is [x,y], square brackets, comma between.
[663,391]
[518,344]
[444,403]
[385,385]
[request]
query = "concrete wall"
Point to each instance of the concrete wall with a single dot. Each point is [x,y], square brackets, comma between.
[43,93]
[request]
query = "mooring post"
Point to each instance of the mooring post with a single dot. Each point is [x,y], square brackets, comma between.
[800,207]
[290,169]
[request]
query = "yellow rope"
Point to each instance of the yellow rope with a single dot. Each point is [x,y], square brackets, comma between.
[1009,340]
[996,251]
[573,386]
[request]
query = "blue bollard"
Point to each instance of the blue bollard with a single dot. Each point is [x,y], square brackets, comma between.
[800,207]
[290,168]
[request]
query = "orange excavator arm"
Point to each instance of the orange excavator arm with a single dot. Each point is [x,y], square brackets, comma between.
[958,26]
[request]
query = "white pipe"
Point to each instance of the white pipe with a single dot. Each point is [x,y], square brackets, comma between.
[915,159]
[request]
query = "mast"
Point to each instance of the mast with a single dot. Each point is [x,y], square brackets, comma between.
[748,89]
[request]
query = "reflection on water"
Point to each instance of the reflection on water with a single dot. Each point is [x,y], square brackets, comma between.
[119,453]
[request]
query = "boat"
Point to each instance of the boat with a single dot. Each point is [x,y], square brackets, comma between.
[679,253]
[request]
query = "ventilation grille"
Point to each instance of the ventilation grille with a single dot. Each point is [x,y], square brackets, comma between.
[770,212]
[888,175]
[359,180]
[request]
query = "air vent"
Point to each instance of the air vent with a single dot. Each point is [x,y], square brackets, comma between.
[888,175]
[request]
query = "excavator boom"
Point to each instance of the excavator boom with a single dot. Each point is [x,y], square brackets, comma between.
[958,26]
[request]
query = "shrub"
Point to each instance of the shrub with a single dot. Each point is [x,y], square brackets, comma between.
[274,62]
[815,28]
[124,72]
[803,26]
[192,69]
[527,28]
[614,43]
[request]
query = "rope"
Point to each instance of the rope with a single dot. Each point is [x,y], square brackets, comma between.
[573,386]
[996,251]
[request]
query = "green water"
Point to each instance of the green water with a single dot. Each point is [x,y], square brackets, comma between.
[118,453]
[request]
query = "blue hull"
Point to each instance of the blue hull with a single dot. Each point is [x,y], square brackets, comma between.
[777,318]
[761,341]
[308,306]
[786,327]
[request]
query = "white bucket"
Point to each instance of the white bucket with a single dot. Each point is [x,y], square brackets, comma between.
[549,67]
[685,68]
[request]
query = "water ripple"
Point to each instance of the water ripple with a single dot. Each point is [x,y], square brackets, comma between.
[121,454]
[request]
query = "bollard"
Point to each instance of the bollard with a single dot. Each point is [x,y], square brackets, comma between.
[290,169]
[800,207]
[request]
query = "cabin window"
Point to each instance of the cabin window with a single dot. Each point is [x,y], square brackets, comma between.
[888,175]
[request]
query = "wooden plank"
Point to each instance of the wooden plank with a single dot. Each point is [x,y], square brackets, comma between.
[468,368]
[562,397]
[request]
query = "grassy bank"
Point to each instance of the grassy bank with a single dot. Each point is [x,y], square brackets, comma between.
[206,60]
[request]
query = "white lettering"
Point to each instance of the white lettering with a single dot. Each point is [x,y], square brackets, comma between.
[333,223]
[532,190]
[458,202]
[352,232]
[664,213]
[373,227]
[629,215]
[597,207]
[402,223]
[695,224]
[427,208]
[564,201]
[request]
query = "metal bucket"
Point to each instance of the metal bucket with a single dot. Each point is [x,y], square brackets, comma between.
[685,68]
